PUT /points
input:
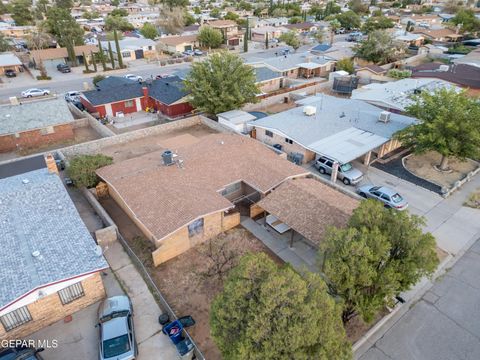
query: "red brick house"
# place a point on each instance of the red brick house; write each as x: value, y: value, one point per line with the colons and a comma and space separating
x: 116, y: 95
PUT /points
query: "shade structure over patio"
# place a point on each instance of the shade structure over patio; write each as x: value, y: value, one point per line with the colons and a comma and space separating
x: 309, y: 207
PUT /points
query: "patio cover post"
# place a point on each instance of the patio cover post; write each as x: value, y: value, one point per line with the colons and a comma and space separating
x: 333, y: 178
x: 264, y: 218
x: 366, y: 159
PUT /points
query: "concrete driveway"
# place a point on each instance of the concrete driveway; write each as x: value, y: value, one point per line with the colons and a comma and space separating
x: 444, y: 324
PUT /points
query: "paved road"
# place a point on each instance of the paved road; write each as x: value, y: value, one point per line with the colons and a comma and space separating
x: 444, y: 324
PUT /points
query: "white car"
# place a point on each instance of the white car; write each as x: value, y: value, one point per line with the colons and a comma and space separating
x: 35, y: 92
x: 72, y: 96
x: 133, y: 77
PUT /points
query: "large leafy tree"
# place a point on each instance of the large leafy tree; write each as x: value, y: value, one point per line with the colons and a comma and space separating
x: 381, y: 253
x: 221, y: 83
x: 378, y: 48
x: 149, y: 31
x: 82, y: 169
x: 349, y: 19
x: 291, y: 39
x: 467, y: 20
x: 64, y: 4
x: 449, y: 123
x: 117, y: 23
x: 210, y: 37
x: 269, y: 312
x: 21, y: 12
x: 377, y: 23
x: 4, y: 44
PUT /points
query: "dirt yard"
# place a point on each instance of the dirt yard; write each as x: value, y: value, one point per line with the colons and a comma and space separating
x: 423, y: 167
x: 190, y: 281
x: 153, y: 143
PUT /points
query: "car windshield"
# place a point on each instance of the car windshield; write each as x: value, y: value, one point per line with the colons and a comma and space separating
x: 346, y: 167
x: 114, y: 314
x: 396, y: 198
x: 116, y: 346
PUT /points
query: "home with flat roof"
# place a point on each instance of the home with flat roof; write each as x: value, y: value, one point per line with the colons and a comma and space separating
x: 35, y: 123
x: 51, y: 266
x: 338, y: 128
x: 185, y: 195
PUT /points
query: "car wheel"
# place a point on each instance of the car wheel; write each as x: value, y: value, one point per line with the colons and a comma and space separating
x: 362, y: 194
x: 29, y: 96
x: 321, y: 170
x: 45, y: 93
x: 346, y: 181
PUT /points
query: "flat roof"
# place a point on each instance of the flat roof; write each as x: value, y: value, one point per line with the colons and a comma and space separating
x: 37, y: 215
x: 309, y: 207
x: 293, y: 60
x: 9, y: 59
x: 166, y: 198
x: 237, y: 116
x: 31, y: 115
x: 334, y: 116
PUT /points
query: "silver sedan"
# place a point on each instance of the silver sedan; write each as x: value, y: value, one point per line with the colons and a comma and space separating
x: 390, y: 198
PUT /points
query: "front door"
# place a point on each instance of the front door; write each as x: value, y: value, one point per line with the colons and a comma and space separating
x: 139, y: 54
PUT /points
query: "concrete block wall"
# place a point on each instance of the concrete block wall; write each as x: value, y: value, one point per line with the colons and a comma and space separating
x: 286, y: 147
x: 50, y: 309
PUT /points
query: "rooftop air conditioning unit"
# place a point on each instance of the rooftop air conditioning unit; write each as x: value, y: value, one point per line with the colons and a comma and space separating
x: 384, y: 116
x: 309, y: 110
x: 443, y: 68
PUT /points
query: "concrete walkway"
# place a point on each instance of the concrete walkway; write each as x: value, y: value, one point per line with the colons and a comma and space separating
x: 301, y: 256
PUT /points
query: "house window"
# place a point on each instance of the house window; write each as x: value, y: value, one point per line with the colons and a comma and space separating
x: 15, y: 318
x: 195, y: 228
x: 268, y: 133
x: 292, y: 71
x: 47, y: 131
x: 71, y: 293
x: 287, y: 140
x: 231, y: 188
x: 126, y: 54
x: 129, y: 103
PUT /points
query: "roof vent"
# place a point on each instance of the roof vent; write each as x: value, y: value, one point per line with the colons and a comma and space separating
x: 167, y: 157
x: 443, y: 68
x: 309, y: 110
x: 36, y: 254
x: 98, y: 250
x: 25, y: 181
x: 384, y: 116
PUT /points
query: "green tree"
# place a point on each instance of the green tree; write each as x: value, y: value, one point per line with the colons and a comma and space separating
x: 115, y: 2
x: 117, y: 23
x: 188, y: 18
x: 97, y: 78
x: 266, y: 40
x: 295, y: 20
x: 119, y: 12
x: 381, y: 253
x: 117, y: 48
x: 376, y: 23
x: 349, y: 20
x: 175, y: 3
x: 291, y: 39
x: 110, y: 53
x: 378, y: 48
x: 149, y: 31
x: 82, y: 169
x: 245, y: 42
x: 467, y: 21
x: 231, y: 16
x: 270, y: 312
x: 345, y: 64
x: 64, y: 4
x: 4, y: 44
x: 449, y: 123
x: 63, y: 27
x: 94, y: 61
x: 215, y: 12
x: 101, y: 54
x: 358, y: 7
x: 334, y: 26
x: 41, y: 9
x: 221, y: 83
x: 210, y: 37
x: 21, y: 12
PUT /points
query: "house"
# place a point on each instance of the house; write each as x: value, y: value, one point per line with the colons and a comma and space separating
x: 302, y: 28
x: 268, y: 80
x: 298, y: 65
x: 190, y: 30
x: 237, y: 120
x: 337, y: 51
x: 439, y: 35
x: 115, y: 95
x: 35, y: 123
x: 177, y: 44
x: 51, y: 267
x: 371, y: 73
x: 409, y: 39
x: 229, y: 30
x: 210, y: 182
x: 260, y: 33
x: 17, y: 32
x: 341, y: 129
x: 472, y: 59
x: 463, y: 75
x: 132, y: 48
x: 395, y: 96
x: 53, y: 56
x: 308, y: 208
x: 9, y: 61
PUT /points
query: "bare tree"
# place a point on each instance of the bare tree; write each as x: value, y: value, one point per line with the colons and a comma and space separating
x: 172, y: 20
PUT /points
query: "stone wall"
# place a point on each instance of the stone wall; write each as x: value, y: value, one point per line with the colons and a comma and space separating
x: 50, y: 309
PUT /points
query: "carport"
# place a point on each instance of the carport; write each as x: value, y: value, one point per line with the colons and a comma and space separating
x: 304, y: 208
x: 348, y: 145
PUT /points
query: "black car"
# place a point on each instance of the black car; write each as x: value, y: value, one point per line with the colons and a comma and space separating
x: 10, y: 73
x: 63, y: 68
x: 21, y: 353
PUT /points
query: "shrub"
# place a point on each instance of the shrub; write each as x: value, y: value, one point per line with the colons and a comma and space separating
x: 82, y: 169
x: 399, y: 74
x: 43, y: 77
x: 97, y: 78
